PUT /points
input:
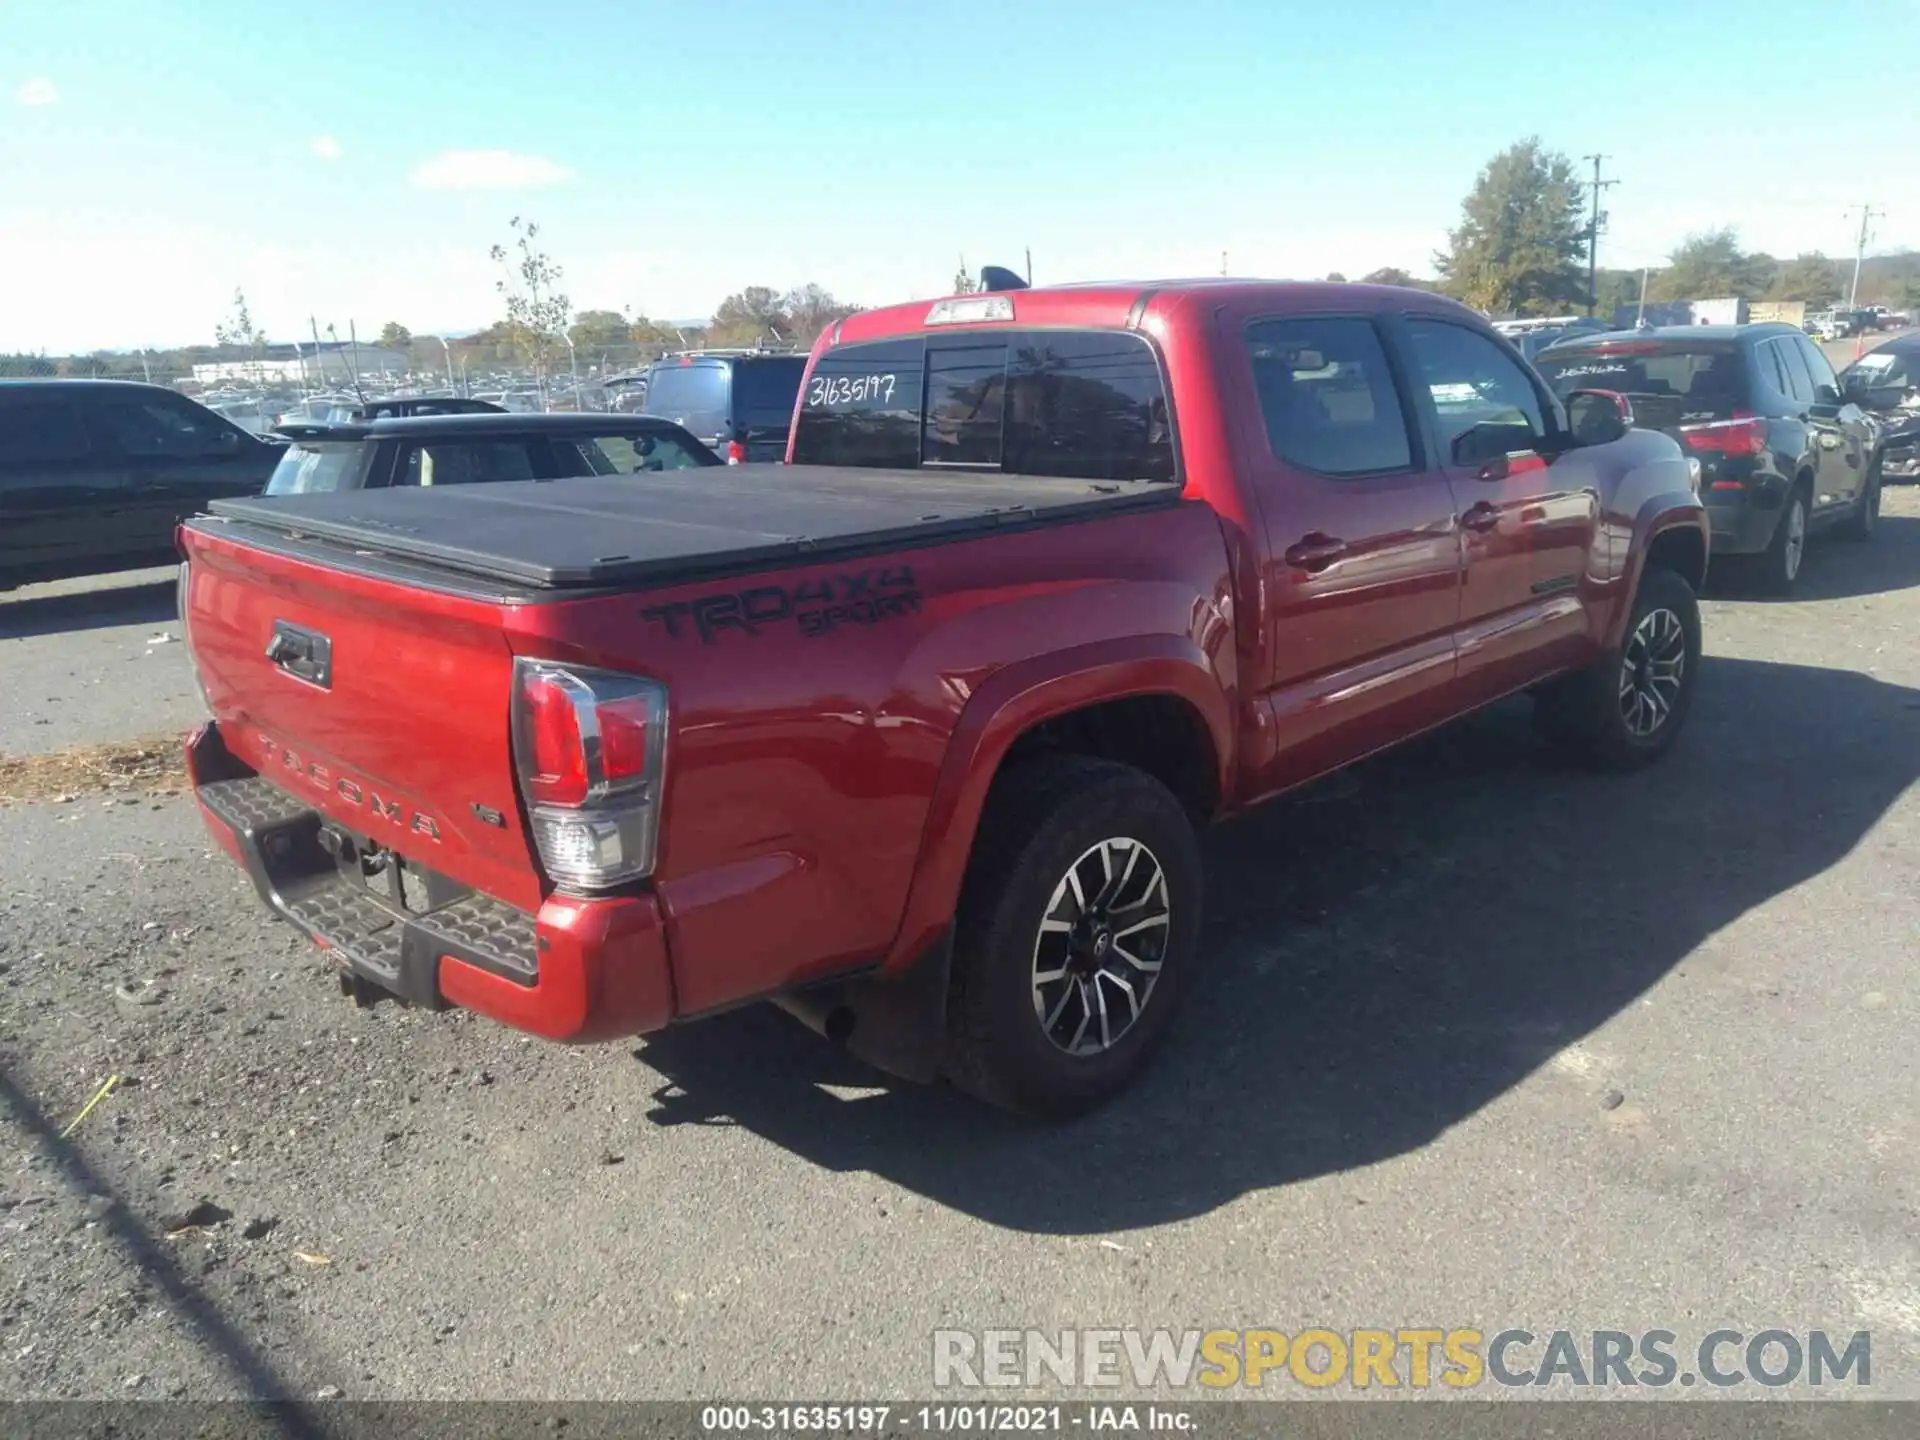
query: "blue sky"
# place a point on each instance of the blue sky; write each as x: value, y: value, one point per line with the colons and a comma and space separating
x: 356, y: 162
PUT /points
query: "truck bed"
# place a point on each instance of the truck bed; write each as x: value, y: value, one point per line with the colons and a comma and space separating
x: 611, y: 530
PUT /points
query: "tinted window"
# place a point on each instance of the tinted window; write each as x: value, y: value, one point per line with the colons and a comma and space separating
x: 38, y: 429
x: 306, y: 468
x: 966, y: 398
x: 1799, y: 378
x: 1670, y: 384
x: 764, y: 390
x: 1817, y: 366
x: 862, y: 406
x: 471, y: 463
x: 1773, y: 369
x: 1327, y: 396
x: 691, y: 395
x: 1885, y: 367
x: 1089, y: 404
x: 628, y: 454
x: 154, y: 427
x: 1473, y: 383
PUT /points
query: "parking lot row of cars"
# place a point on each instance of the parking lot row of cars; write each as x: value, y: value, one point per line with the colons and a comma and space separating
x: 96, y: 476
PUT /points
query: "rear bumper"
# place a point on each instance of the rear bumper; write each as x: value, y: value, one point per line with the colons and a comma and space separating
x: 578, y: 970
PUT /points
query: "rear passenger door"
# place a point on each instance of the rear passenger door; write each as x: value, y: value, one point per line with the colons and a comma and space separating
x: 176, y: 456
x: 57, y: 500
x: 1529, y: 507
x: 1360, y: 579
x: 1838, y: 429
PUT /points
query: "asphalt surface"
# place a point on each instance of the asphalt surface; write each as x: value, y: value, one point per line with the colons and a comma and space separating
x: 1485, y: 1042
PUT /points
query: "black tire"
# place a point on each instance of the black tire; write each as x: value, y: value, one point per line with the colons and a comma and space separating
x: 1594, y: 718
x: 1865, y: 518
x: 1776, y: 570
x: 1042, y: 820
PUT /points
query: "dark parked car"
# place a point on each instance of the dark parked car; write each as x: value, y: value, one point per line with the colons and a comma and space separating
x: 469, y: 449
x: 725, y: 398
x: 1782, y: 452
x: 1886, y: 382
x: 399, y: 407
x: 95, y: 475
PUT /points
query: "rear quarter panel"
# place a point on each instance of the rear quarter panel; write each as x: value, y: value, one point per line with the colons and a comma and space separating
x: 813, y: 772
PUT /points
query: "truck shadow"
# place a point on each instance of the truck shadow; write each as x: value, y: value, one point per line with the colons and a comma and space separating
x: 146, y: 604
x: 1386, y: 955
x: 1838, y: 570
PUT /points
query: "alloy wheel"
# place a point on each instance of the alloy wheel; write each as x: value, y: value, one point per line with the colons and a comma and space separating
x: 1098, y: 952
x: 1653, y: 670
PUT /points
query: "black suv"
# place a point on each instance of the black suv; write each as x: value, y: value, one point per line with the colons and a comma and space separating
x: 473, y: 449
x: 1886, y: 381
x: 95, y: 475
x: 1782, y: 452
x: 745, y: 398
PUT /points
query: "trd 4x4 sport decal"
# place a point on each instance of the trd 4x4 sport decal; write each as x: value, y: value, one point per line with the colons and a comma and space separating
x: 864, y: 597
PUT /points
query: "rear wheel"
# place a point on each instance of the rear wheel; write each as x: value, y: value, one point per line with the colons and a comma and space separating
x: 1778, y: 566
x: 1865, y: 518
x: 1627, y: 711
x: 1077, y: 927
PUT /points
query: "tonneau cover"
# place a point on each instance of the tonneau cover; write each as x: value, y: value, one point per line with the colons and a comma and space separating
x: 656, y: 527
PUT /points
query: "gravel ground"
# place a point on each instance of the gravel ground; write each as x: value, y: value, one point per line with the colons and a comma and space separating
x: 1485, y: 1043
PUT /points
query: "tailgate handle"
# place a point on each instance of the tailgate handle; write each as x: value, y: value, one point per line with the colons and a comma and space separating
x: 304, y: 654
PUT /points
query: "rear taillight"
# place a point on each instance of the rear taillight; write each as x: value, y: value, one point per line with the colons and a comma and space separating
x: 590, y: 747
x: 1744, y: 434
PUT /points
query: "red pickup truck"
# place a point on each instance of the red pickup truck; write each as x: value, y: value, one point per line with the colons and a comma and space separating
x: 915, y: 734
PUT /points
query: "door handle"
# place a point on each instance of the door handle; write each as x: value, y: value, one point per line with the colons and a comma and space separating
x: 1482, y: 517
x: 1315, y: 552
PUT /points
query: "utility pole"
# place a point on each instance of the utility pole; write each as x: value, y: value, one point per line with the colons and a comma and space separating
x: 1593, y: 232
x: 1867, y: 216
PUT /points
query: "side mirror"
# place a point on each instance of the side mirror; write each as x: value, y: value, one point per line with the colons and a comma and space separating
x: 1826, y: 395
x: 1598, y: 417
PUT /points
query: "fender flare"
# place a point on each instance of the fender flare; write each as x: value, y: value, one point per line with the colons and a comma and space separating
x: 1010, y: 703
x: 1658, y: 515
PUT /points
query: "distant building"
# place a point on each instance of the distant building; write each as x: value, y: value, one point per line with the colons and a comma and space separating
x: 329, y: 363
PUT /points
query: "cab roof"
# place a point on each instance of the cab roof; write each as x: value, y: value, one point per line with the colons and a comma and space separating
x: 1124, y: 305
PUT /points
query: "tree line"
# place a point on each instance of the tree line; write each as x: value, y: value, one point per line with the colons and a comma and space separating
x: 1525, y: 233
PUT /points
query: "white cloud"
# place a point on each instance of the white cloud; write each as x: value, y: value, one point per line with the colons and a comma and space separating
x: 488, y: 170
x: 37, y: 91
x: 326, y: 147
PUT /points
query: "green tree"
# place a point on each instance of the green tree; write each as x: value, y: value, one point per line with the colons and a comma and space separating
x: 1614, y: 288
x: 537, y: 309
x: 1711, y: 266
x: 754, y: 316
x: 810, y: 310
x: 395, y: 336
x: 1811, y: 277
x: 1521, y: 236
x: 599, y: 329
x: 1336, y: 278
x: 1387, y: 275
x: 237, y: 331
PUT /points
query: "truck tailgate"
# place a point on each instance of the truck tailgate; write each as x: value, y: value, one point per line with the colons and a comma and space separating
x: 381, y: 705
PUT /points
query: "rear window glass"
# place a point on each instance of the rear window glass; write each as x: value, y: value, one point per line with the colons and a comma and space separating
x: 764, y: 390
x: 691, y: 395
x: 1086, y: 404
x: 1694, y: 382
x: 307, y: 468
x: 34, y: 431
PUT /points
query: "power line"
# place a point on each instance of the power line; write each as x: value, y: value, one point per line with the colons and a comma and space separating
x: 1593, y: 232
x: 1867, y: 216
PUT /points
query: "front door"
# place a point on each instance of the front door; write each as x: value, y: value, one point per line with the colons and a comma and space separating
x: 1529, y: 508
x: 1362, y: 566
